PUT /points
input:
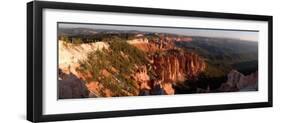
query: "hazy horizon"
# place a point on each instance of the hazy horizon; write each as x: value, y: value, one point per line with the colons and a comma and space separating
x: 250, y: 35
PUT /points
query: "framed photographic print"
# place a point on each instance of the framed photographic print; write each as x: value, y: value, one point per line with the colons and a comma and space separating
x: 95, y: 61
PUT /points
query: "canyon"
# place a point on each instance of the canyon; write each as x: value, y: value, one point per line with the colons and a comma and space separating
x: 164, y: 66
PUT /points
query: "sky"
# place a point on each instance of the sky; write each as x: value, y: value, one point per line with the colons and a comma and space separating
x: 249, y: 35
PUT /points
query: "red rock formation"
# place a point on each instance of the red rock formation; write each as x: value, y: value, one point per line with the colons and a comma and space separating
x: 170, y: 67
x: 170, y: 64
x: 152, y: 46
x: 94, y: 88
x: 142, y: 78
x: 146, y: 47
x: 177, y: 66
x: 168, y: 88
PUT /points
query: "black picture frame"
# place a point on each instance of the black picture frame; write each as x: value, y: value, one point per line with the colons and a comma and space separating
x: 35, y: 69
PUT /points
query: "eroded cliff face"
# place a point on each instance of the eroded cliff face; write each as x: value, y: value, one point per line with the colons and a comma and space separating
x: 169, y: 70
x: 170, y: 64
x: 177, y: 66
x: 167, y: 65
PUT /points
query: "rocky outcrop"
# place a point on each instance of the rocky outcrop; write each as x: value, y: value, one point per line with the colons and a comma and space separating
x: 71, y: 54
x: 142, y: 78
x: 70, y: 86
x: 236, y: 81
x: 97, y: 90
x: 151, y: 46
x: 168, y: 88
x: 145, y: 46
x: 72, y: 83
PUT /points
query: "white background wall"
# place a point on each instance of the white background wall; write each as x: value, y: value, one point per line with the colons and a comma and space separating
x: 13, y: 61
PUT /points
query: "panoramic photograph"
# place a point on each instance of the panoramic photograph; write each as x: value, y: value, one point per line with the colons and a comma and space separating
x: 102, y: 60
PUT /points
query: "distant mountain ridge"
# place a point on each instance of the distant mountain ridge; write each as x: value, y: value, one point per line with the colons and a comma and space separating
x: 88, y: 31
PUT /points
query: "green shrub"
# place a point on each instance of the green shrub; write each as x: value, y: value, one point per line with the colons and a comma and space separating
x: 120, y: 56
